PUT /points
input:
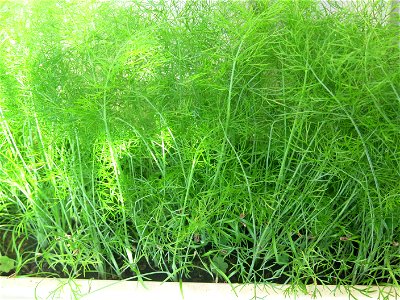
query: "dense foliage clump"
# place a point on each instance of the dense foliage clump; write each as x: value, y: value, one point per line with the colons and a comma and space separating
x: 255, y: 141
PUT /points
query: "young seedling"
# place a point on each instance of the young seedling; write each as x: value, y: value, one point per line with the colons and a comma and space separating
x: 6, y: 264
x: 219, y: 267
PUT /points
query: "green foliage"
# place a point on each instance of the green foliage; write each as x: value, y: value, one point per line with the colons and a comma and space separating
x: 219, y: 264
x: 260, y: 133
x: 6, y: 264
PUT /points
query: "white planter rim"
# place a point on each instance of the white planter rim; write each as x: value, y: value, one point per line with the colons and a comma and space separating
x: 50, y: 288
